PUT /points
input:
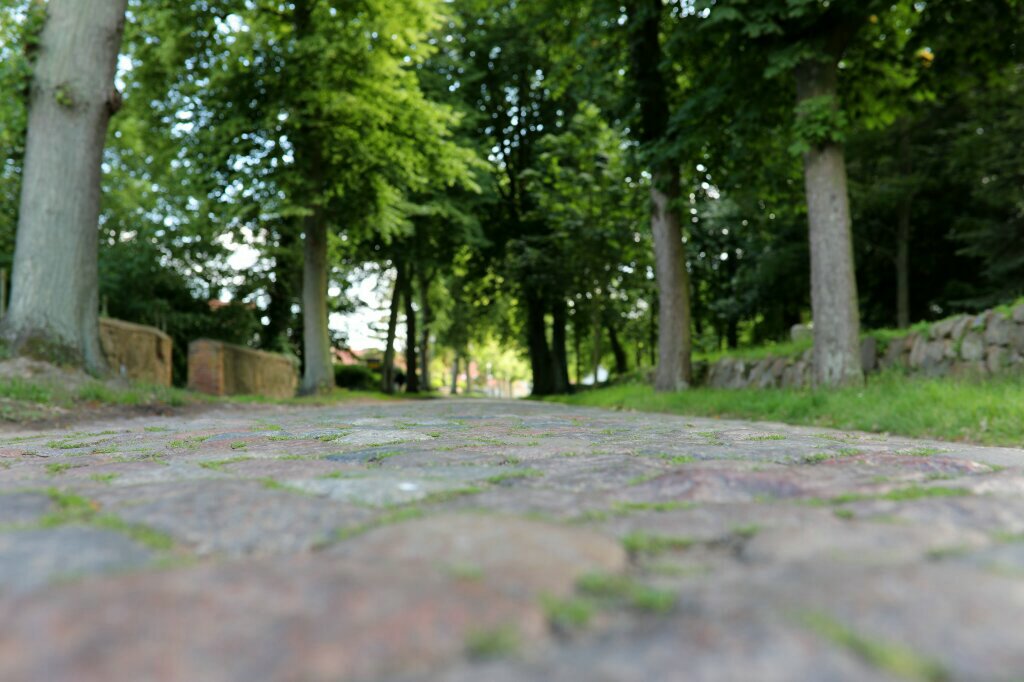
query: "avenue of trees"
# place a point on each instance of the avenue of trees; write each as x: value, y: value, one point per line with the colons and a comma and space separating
x: 597, y: 183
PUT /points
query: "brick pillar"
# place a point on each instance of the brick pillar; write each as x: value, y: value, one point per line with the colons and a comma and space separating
x: 206, y: 366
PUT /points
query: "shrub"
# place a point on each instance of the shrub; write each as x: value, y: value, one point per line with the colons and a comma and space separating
x: 356, y: 377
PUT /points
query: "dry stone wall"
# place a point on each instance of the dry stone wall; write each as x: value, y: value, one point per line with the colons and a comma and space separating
x: 974, y: 346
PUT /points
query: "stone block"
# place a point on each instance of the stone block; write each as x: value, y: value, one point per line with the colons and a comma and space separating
x: 997, y: 331
x: 801, y: 332
x: 996, y: 359
x: 972, y: 348
x: 136, y: 352
x: 968, y: 369
x: 1018, y: 314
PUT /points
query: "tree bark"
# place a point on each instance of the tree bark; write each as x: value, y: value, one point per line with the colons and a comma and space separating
x: 559, y: 356
x: 412, y: 377
x: 54, y: 307
x: 537, y: 346
x: 388, y: 370
x: 317, y: 376
x: 674, y: 343
x: 833, y: 282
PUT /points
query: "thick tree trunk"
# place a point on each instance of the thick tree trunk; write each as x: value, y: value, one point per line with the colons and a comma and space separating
x: 317, y: 376
x: 54, y: 307
x: 674, y: 343
x: 833, y: 282
x: 388, y: 371
x: 559, y: 355
x: 537, y: 346
x: 412, y: 376
x: 621, y: 361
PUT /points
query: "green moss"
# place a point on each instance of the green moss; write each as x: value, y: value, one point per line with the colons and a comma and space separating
x: 103, y: 478
x: 623, y: 590
x: 568, y: 615
x: 492, y: 643
x: 514, y: 475
x: 626, y: 507
x: 639, y: 543
x: 218, y: 465
x: 56, y: 468
x: 888, y: 656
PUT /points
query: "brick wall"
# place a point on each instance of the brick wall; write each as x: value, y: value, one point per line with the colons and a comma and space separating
x: 136, y: 351
x: 220, y: 368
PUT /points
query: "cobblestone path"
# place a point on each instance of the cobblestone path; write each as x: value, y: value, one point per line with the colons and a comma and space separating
x: 489, y: 540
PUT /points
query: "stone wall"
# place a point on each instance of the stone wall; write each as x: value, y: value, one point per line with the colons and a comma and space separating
x: 988, y: 344
x: 220, y: 368
x: 136, y: 352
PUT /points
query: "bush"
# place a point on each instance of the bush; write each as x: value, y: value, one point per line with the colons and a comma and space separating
x: 356, y: 377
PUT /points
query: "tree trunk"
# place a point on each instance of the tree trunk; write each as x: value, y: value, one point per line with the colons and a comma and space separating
x: 455, y: 375
x: 537, y: 346
x: 674, y: 343
x: 673, y: 370
x: 559, y: 356
x: 425, y: 334
x: 388, y: 371
x: 903, y: 266
x: 317, y: 376
x: 903, y: 231
x: 54, y: 306
x: 621, y: 362
x: 577, y: 347
x: 833, y: 282
x: 412, y: 377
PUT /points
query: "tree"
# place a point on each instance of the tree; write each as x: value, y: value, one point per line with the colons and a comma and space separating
x: 308, y: 118
x: 649, y: 84
x: 55, y: 293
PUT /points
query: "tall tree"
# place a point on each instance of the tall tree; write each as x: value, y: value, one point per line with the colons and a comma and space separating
x: 55, y: 291
x: 649, y: 84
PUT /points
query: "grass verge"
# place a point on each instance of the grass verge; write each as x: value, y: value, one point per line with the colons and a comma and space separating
x: 988, y: 412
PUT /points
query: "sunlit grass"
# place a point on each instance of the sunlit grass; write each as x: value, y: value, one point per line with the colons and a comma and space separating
x: 989, y: 412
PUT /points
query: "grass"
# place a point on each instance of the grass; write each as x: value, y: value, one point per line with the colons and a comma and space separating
x: 71, y: 508
x: 513, y: 475
x: 218, y: 465
x: 886, y: 656
x: 492, y: 643
x: 568, y: 615
x: 910, y: 493
x: 620, y: 589
x: 639, y: 543
x: 943, y: 408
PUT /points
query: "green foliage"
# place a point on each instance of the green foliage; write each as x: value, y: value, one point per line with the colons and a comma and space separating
x: 356, y: 378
